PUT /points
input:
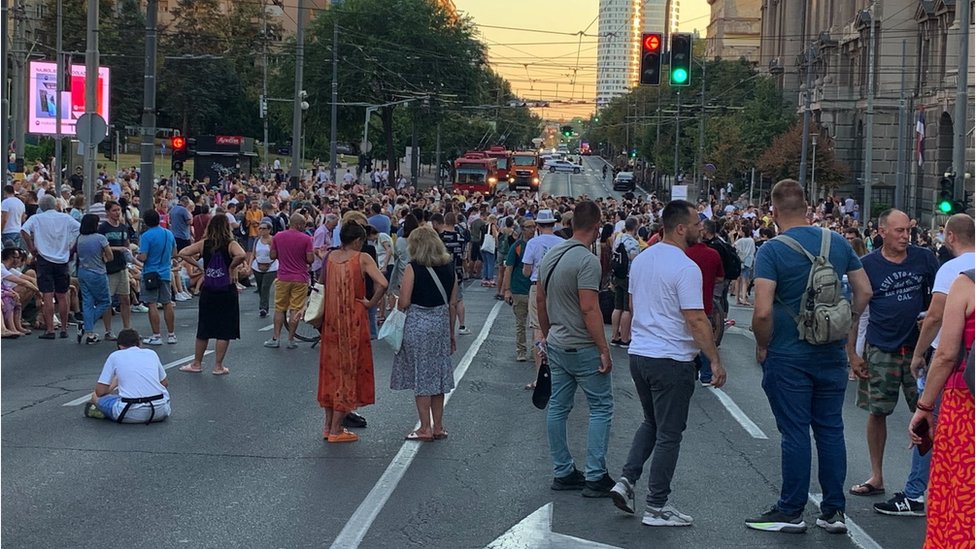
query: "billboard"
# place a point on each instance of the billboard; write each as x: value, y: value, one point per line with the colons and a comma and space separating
x: 42, y: 98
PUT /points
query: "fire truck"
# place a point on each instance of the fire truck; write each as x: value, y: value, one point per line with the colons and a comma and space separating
x: 504, y: 158
x: 524, y: 173
x: 476, y: 172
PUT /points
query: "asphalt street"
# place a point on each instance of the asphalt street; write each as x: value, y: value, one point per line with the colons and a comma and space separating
x: 241, y: 463
x: 588, y: 182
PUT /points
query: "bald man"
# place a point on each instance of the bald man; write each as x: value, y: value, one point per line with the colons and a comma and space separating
x: 902, y: 276
x: 959, y: 239
x: 294, y: 251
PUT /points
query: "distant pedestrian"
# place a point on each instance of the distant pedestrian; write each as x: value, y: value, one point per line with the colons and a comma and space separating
x: 429, y: 298
x: 669, y: 329
x: 517, y: 288
x: 623, y: 251
x: 157, y: 250
x: 535, y: 250
x: 118, y: 234
x: 265, y: 269
x: 293, y: 251
x: 219, y: 311
x: 571, y: 324
x: 49, y: 236
x: 93, y: 253
x: 805, y: 383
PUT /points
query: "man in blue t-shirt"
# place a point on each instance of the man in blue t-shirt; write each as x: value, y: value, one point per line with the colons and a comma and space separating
x: 805, y: 383
x: 157, y: 248
x: 180, y: 221
x: 901, y: 281
x: 378, y: 219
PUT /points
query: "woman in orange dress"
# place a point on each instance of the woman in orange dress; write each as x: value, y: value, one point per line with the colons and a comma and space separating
x: 950, y: 505
x: 346, y: 357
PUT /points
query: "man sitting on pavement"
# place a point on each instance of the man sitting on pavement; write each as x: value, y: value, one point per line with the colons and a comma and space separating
x: 132, y: 387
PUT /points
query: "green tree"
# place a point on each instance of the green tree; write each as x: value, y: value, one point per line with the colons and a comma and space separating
x: 781, y: 160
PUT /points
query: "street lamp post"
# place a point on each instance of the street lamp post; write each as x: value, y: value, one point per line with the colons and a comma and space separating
x: 813, y: 172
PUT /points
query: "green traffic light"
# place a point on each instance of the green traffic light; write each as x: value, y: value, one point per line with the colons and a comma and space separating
x: 945, y: 207
x: 679, y: 76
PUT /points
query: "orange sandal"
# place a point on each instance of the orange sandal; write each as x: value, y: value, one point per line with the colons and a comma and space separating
x: 344, y: 436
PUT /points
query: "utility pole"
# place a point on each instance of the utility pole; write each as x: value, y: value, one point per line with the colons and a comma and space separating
x: 18, y: 83
x: 334, y: 110
x: 264, y: 82
x: 59, y: 88
x: 869, y: 123
x: 805, y: 138
x: 437, y: 156
x: 902, y: 113
x: 959, y: 118
x: 296, y: 117
x: 4, y: 90
x: 147, y: 144
x: 677, y: 135
x: 700, y: 164
x: 91, y: 98
x: 414, y: 158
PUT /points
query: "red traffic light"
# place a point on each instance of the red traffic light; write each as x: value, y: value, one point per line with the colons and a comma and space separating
x: 177, y: 143
x: 651, y: 42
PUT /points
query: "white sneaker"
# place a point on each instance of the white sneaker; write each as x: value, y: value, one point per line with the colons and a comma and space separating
x: 622, y: 495
x: 180, y: 296
x: 463, y: 331
x: 154, y: 340
x: 140, y: 308
x: 171, y: 339
x: 665, y: 516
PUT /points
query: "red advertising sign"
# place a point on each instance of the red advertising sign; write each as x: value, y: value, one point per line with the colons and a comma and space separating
x: 230, y: 139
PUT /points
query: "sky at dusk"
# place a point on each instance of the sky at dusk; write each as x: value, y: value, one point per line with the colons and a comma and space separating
x: 558, y: 63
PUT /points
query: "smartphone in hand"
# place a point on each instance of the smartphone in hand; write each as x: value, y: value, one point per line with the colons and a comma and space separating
x: 922, y: 430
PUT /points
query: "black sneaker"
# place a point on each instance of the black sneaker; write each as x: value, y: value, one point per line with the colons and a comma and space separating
x: 354, y: 421
x: 599, y: 488
x: 615, y: 343
x: 572, y: 481
x: 775, y: 520
x: 901, y: 506
x: 833, y: 523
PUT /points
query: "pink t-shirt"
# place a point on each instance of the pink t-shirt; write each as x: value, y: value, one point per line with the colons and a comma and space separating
x: 291, y: 247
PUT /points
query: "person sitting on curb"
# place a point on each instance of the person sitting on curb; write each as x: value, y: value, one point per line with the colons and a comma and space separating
x: 132, y: 387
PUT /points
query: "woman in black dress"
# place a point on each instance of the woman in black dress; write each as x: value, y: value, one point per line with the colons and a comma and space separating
x: 218, y: 255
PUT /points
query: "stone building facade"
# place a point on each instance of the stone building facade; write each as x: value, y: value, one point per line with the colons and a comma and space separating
x: 916, y: 41
x: 734, y: 30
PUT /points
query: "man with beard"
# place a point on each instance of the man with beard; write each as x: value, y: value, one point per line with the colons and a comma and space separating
x: 669, y: 329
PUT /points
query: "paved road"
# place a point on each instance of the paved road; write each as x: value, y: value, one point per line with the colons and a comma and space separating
x: 588, y: 182
x: 241, y: 462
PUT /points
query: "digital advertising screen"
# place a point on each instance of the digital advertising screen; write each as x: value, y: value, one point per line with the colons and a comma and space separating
x: 42, y: 98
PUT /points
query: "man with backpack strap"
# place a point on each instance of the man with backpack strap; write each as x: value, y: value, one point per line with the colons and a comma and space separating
x: 731, y: 266
x: 804, y: 371
x: 625, y: 249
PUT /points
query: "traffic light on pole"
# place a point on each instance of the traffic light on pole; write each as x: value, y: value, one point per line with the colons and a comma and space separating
x: 681, y: 59
x: 650, y: 64
x: 178, y: 145
x: 944, y: 204
x: 567, y: 131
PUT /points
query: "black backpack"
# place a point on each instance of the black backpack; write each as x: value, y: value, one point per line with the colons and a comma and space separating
x: 731, y: 263
x: 620, y: 261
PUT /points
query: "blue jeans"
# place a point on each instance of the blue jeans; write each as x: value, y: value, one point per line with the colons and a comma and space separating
x: 571, y: 368
x: 918, y: 476
x: 487, y: 266
x: 94, y: 296
x: 12, y: 240
x: 373, y: 330
x: 704, y: 367
x: 808, y: 392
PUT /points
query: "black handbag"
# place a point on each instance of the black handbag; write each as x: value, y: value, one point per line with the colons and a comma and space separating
x: 543, y: 386
x: 153, y: 280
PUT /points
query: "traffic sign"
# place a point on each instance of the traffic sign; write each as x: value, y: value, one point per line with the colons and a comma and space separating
x: 91, y: 129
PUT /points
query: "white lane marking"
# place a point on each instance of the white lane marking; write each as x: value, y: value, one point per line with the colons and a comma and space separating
x: 359, y: 523
x: 167, y: 366
x: 857, y: 534
x: 267, y: 328
x: 737, y: 413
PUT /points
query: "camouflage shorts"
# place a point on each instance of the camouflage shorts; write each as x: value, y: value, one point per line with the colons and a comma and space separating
x: 889, y: 372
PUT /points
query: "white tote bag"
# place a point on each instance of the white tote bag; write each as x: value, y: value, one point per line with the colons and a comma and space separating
x: 488, y: 244
x: 392, y: 329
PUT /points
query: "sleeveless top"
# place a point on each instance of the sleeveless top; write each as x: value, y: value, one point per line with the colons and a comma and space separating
x: 262, y: 254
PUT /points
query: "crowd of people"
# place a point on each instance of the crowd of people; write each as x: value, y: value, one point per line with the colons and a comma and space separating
x: 662, y: 275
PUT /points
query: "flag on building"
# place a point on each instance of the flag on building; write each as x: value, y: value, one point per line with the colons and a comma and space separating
x: 920, y: 137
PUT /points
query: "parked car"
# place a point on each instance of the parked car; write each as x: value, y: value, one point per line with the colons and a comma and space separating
x: 562, y: 166
x: 624, y: 181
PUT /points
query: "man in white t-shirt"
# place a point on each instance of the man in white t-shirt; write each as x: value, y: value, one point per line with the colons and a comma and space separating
x: 669, y: 329
x: 960, y: 237
x: 132, y: 387
x: 13, y: 211
x: 535, y: 251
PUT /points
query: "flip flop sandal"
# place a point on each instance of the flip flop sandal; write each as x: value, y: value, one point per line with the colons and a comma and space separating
x: 865, y: 489
x: 221, y: 372
x: 440, y: 436
x: 190, y: 369
x: 414, y: 436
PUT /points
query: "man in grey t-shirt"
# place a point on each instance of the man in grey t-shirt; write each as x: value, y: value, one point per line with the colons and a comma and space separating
x: 567, y: 296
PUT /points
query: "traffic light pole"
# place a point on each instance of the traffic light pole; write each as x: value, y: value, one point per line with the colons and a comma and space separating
x: 91, y: 98
x: 296, y: 119
x: 805, y: 136
x: 869, y: 125
x: 59, y: 87
x: 147, y: 145
x: 959, y: 118
x: 677, y: 138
